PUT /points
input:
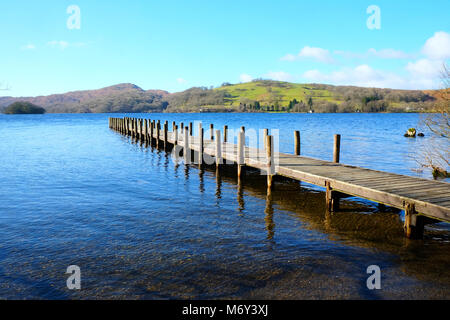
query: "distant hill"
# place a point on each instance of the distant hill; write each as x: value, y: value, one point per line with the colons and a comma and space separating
x: 255, y: 96
x: 119, y: 98
x: 279, y: 96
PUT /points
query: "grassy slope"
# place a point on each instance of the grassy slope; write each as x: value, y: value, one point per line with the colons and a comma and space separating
x: 260, y: 91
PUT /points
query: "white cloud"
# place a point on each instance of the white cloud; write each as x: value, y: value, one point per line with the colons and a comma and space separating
x: 388, y: 54
x: 438, y: 46
x: 418, y: 76
x: 61, y: 44
x: 382, y: 54
x: 181, y: 80
x: 279, y: 75
x: 29, y: 46
x: 245, y: 77
x: 318, y: 54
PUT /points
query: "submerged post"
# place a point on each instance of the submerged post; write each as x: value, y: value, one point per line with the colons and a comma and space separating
x: 337, y: 148
x: 297, y: 143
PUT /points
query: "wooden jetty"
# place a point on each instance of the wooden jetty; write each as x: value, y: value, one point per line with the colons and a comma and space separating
x: 424, y: 201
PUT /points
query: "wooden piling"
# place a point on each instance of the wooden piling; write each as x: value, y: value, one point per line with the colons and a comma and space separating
x: 186, y: 151
x: 225, y: 133
x: 211, y: 131
x: 269, y: 152
x: 331, y: 198
x: 414, y: 224
x: 158, y: 128
x: 190, y: 129
x: 201, y: 145
x: 241, y: 155
x: 218, y: 149
x: 165, y: 135
x: 297, y: 143
x: 175, y: 133
x: 337, y: 148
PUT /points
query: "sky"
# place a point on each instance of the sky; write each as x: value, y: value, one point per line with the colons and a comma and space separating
x: 57, y: 46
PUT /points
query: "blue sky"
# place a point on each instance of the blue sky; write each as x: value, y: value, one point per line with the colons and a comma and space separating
x: 174, y: 45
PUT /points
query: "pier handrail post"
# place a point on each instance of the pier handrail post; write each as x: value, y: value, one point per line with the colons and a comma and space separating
x: 211, y: 129
x: 241, y: 155
x: 297, y: 142
x: 175, y: 135
x: 200, y: 145
x: 225, y: 133
x: 146, y: 130
x: 269, y: 151
x: 190, y: 129
x: 265, y: 134
x: 173, y: 126
x: 158, y: 127
x: 186, y: 151
x: 218, y: 149
x: 337, y: 148
x: 165, y: 135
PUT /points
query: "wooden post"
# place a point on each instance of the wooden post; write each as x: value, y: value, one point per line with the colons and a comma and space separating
x: 243, y: 128
x: 201, y: 146
x: 182, y: 127
x: 173, y: 126
x: 331, y: 198
x: 218, y: 149
x: 337, y: 148
x: 265, y: 134
x: 211, y: 129
x: 146, y: 130
x: 151, y: 131
x: 165, y: 135
x: 158, y: 127
x: 414, y: 224
x: 225, y: 133
x: 269, y: 147
x: 187, y: 151
x: 241, y: 155
x: 297, y: 143
x: 190, y: 129
x: 175, y: 135
x: 141, y: 129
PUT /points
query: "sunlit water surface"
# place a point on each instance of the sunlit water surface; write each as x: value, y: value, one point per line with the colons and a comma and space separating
x: 141, y: 224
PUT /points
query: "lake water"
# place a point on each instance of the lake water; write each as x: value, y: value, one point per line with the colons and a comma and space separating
x: 140, y: 224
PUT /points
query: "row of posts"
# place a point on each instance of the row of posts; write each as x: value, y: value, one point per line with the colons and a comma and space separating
x: 146, y: 129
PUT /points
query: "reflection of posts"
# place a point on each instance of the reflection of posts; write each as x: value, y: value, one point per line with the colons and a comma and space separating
x: 240, y: 196
x: 270, y: 225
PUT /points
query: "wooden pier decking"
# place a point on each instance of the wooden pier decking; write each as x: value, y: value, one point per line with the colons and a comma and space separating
x: 424, y: 201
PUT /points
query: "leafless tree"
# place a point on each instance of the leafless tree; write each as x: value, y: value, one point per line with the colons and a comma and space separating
x: 436, y: 153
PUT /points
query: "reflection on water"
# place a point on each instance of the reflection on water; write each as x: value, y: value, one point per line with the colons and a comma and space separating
x: 142, y: 224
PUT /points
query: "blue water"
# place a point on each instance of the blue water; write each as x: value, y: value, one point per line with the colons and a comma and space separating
x: 141, y: 224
